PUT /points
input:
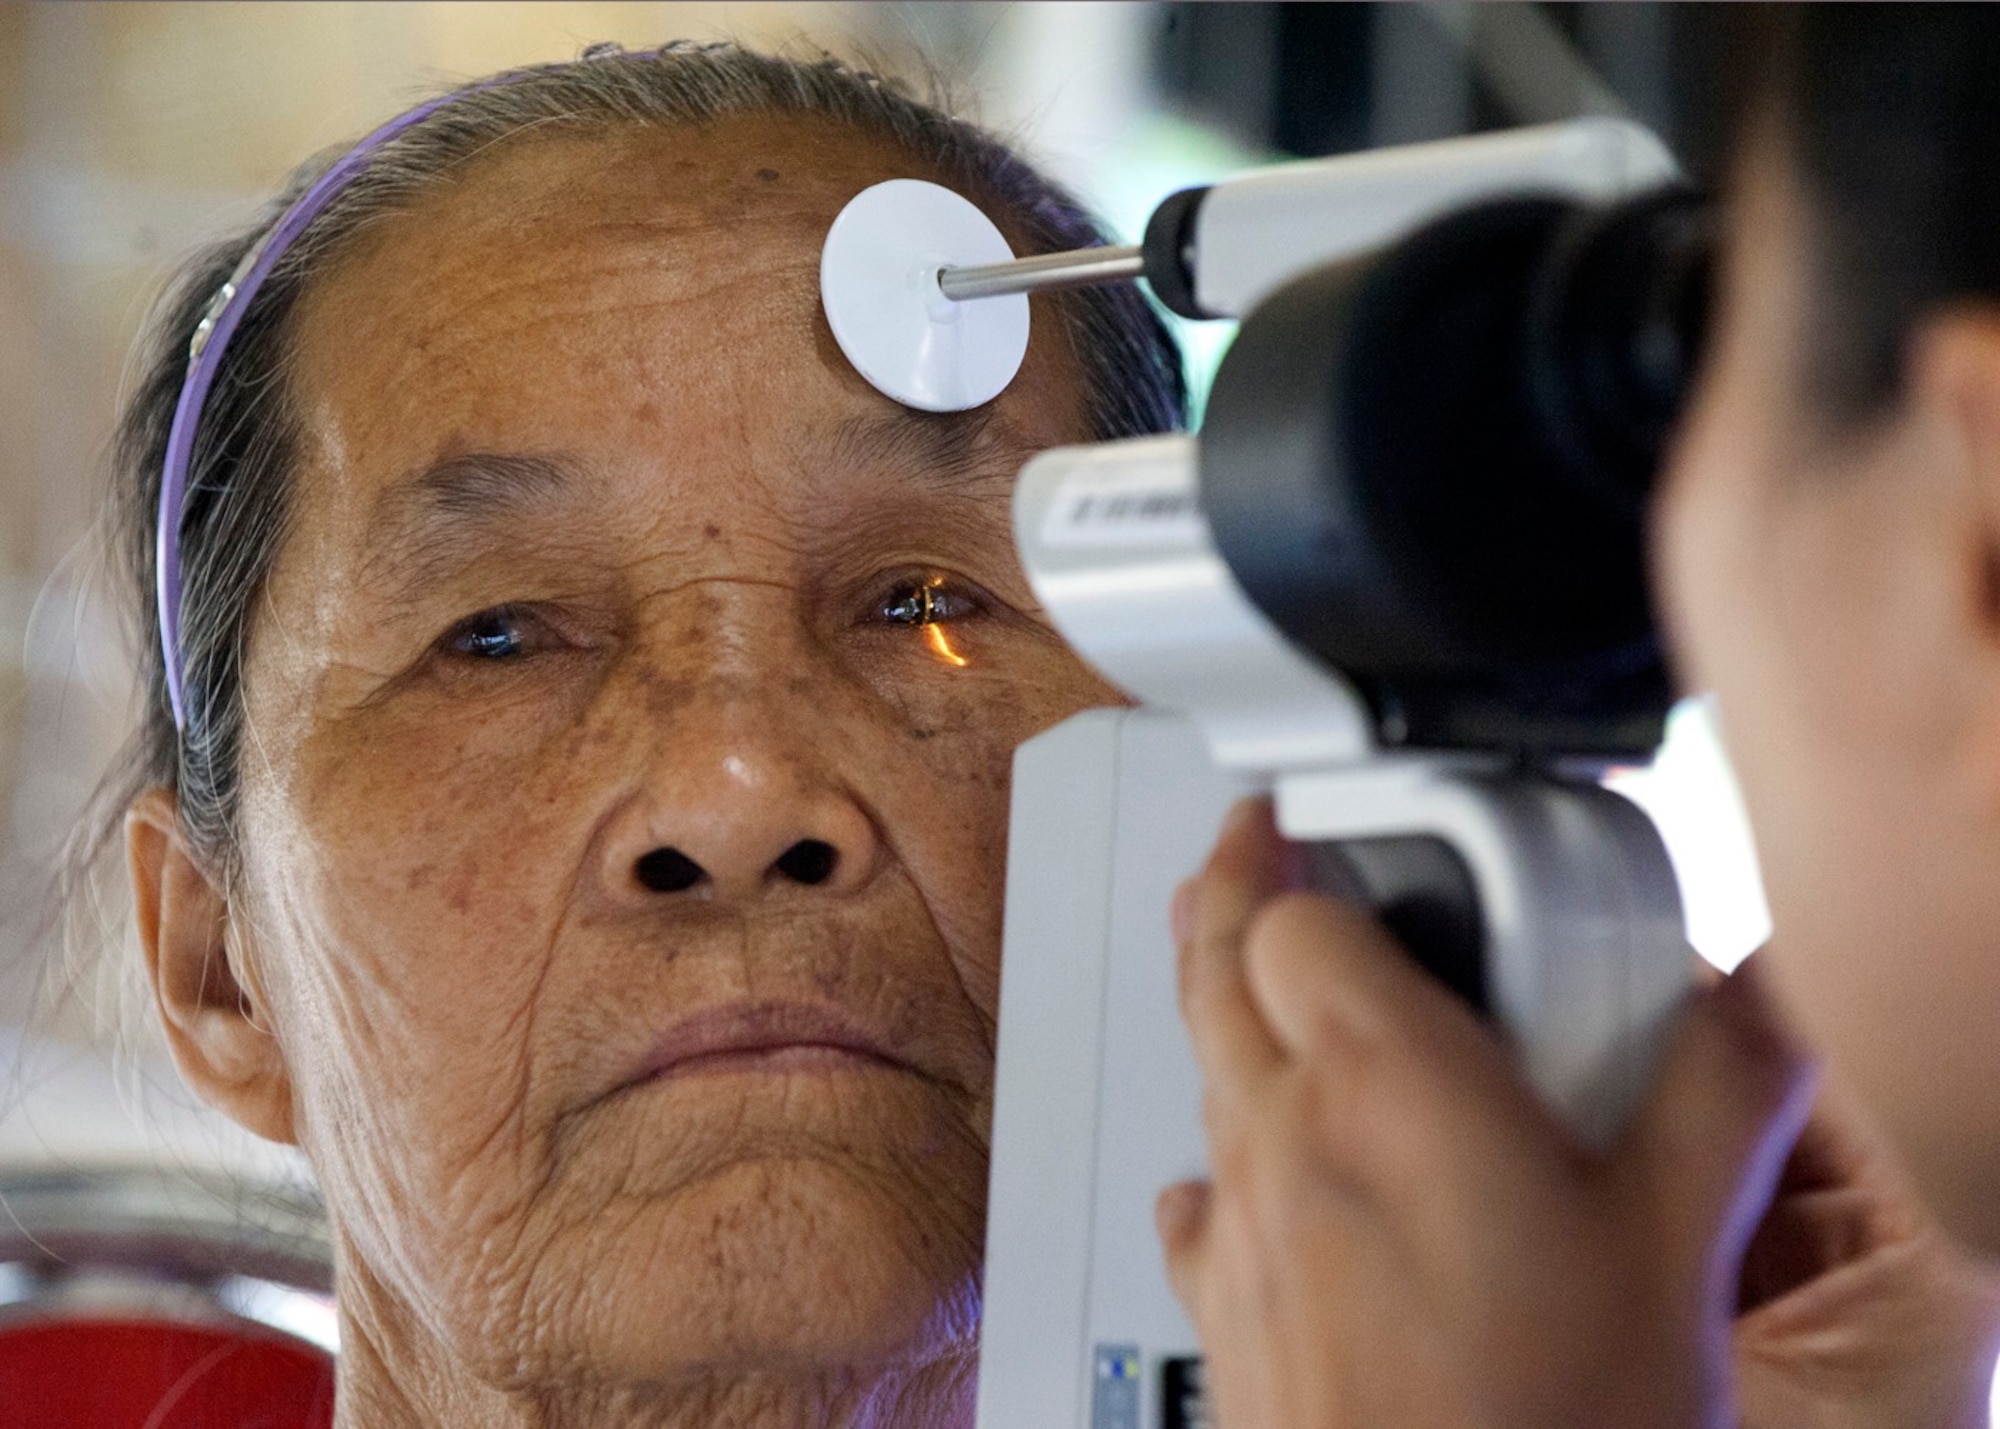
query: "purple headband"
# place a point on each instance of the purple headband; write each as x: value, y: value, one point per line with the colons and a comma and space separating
x: 211, y: 338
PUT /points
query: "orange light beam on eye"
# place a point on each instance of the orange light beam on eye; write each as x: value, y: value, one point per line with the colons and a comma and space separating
x: 935, y: 634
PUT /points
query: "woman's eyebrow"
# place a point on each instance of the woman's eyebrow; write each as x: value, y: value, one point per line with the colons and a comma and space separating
x: 950, y: 449
x: 425, y: 524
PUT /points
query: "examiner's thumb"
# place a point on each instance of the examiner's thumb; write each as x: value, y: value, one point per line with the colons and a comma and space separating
x: 1705, y: 1151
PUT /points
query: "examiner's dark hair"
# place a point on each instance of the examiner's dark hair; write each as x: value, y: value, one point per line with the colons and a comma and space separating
x: 240, y: 484
x: 1891, y: 116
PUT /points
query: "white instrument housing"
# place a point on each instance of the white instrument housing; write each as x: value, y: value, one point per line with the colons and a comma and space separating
x: 1259, y: 230
x: 1098, y: 1096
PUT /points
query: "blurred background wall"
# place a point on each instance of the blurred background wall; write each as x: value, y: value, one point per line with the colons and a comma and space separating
x: 129, y: 133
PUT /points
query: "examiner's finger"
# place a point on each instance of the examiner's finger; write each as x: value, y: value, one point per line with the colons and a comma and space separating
x: 1733, y: 1092
x: 1180, y: 1214
x: 1320, y: 970
x: 1422, y: 1088
x: 1245, y: 871
x: 1325, y: 975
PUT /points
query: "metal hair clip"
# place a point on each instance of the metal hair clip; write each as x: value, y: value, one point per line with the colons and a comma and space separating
x: 226, y: 294
x: 208, y: 316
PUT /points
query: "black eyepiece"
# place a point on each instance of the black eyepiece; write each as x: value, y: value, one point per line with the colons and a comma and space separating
x: 1615, y: 322
x: 1430, y: 466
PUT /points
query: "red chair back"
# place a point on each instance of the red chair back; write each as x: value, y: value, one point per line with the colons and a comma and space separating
x: 150, y: 1374
x: 142, y: 1298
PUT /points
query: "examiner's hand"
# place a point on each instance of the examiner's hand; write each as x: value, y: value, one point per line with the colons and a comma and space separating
x: 1856, y: 1309
x: 1397, y: 1233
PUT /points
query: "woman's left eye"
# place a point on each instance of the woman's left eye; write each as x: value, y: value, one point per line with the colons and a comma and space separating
x: 498, y: 634
x: 933, y: 600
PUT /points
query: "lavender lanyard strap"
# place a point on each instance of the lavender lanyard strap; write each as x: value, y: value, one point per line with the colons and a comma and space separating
x: 205, y: 349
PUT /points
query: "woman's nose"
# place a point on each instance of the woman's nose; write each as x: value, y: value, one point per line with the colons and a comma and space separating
x: 763, y: 819
x: 809, y: 862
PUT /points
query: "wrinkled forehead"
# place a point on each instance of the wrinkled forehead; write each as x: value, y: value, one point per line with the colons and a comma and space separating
x: 570, y: 227
x: 715, y: 191
x: 568, y: 285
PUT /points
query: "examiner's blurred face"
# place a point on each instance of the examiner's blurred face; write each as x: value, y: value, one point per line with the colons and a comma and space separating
x: 1832, y: 588
x: 631, y: 717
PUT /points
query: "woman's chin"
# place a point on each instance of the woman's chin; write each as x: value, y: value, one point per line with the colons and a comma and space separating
x: 781, y: 1265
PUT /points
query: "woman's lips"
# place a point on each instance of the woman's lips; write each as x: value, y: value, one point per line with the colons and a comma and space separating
x: 767, y: 1037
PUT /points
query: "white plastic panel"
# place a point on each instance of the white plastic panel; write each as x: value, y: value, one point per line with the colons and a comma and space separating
x: 1256, y: 232
x: 1038, y: 1218
x: 1114, y: 542
x: 1097, y: 1099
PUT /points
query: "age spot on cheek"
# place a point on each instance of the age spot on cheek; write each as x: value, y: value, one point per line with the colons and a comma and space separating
x: 663, y: 695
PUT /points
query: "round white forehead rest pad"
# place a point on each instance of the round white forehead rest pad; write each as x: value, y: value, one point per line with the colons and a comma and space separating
x: 878, y: 284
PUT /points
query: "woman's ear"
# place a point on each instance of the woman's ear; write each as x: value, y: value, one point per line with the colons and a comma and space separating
x: 219, y: 1033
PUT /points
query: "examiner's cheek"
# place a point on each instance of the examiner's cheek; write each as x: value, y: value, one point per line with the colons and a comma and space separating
x: 1683, y: 545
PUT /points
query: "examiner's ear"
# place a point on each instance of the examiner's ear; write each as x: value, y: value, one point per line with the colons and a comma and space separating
x: 216, y: 1029
x: 1954, y: 379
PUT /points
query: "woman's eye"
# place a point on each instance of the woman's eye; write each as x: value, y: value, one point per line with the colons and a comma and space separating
x: 930, y: 601
x: 498, y: 634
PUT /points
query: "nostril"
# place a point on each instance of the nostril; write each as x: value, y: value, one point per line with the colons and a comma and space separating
x: 668, y: 870
x: 808, y: 861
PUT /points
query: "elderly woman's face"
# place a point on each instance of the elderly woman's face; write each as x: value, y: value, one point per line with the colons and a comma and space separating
x: 631, y: 717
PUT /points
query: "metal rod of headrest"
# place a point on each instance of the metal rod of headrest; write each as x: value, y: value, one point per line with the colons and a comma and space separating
x: 1082, y: 268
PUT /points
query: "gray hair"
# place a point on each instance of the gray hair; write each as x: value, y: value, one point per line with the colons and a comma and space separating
x: 239, y: 483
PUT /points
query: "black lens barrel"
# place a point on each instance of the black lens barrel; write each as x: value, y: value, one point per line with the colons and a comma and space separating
x: 1430, y: 467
